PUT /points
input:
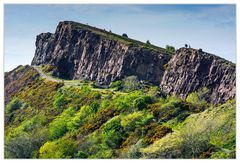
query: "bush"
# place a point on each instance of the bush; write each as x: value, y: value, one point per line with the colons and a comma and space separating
x: 13, y: 105
x: 199, y: 97
x: 116, y: 84
x: 58, y: 127
x: 25, y: 146
x: 134, y: 120
x: 155, y: 132
x: 124, y: 35
x: 170, y: 49
x: 131, y: 83
x: 142, y: 102
x: 80, y: 154
x: 59, y: 102
x: 62, y: 148
x: 112, y: 133
x: 85, y: 113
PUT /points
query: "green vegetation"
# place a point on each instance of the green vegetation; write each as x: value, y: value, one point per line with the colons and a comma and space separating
x: 170, y: 49
x: 13, y: 105
x: 123, y: 39
x: 129, y: 120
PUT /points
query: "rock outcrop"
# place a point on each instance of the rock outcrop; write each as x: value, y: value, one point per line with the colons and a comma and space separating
x: 78, y: 51
x: 191, y: 69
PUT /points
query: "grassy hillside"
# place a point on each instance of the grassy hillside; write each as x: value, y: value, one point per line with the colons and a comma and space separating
x: 46, y: 119
x: 116, y: 37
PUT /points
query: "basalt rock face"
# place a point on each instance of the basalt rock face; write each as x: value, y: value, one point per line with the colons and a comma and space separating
x: 190, y: 69
x: 78, y: 53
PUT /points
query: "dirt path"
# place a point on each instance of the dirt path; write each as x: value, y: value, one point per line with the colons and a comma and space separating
x: 72, y: 82
x: 43, y: 75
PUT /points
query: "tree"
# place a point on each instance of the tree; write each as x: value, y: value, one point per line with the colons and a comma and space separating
x: 124, y: 35
x: 186, y: 45
x: 148, y: 42
x: 131, y: 83
x: 170, y: 49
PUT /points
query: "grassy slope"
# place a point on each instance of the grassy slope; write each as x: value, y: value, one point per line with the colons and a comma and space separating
x: 116, y: 37
x: 77, y: 121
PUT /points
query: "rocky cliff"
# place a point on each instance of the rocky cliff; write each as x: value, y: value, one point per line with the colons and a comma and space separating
x: 80, y: 51
x: 191, y: 69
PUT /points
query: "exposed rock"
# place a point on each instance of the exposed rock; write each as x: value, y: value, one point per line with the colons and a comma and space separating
x: 79, y: 52
x: 190, y: 69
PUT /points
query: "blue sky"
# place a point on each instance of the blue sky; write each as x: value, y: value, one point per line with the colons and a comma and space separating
x: 210, y: 27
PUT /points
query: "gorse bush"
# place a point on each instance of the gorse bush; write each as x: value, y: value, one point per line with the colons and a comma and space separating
x: 63, y: 148
x: 59, y: 102
x: 132, y: 119
x: 58, y: 127
x: 13, y: 105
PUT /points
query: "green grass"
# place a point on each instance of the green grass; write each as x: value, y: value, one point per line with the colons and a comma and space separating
x: 71, y: 119
x: 118, y: 38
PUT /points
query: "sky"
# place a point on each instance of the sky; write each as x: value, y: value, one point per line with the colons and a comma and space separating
x: 210, y: 27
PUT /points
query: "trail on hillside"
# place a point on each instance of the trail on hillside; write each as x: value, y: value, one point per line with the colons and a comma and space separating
x: 72, y: 82
x: 43, y: 75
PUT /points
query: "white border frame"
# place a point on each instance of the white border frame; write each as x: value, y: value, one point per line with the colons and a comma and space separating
x: 112, y: 2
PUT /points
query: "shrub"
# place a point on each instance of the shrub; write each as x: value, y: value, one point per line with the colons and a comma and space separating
x: 142, y: 102
x: 62, y: 148
x: 199, y: 97
x: 170, y: 49
x: 155, y: 132
x: 124, y: 35
x: 131, y: 83
x: 80, y: 154
x: 58, y: 127
x: 59, y: 102
x: 13, y: 105
x: 112, y: 133
x: 25, y: 146
x: 86, y: 112
x: 134, y: 120
x: 116, y: 84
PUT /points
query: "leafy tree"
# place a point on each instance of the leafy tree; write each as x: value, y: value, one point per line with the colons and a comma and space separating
x: 131, y: 83
x: 124, y: 35
x: 170, y: 49
x: 13, y: 105
x: 116, y: 84
x: 62, y: 148
x: 25, y: 146
x: 58, y: 127
x: 148, y: 42
x: 199, y: 97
